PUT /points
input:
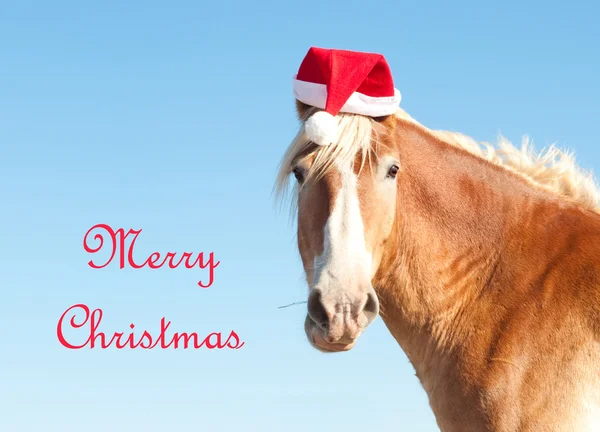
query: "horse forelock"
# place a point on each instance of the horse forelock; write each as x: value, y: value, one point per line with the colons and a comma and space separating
x: 356, y: 136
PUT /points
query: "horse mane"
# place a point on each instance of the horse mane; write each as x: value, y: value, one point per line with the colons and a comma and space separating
x: 554, y: 170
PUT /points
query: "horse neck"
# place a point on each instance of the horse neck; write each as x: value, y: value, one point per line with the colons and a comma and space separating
x: 454, y: 211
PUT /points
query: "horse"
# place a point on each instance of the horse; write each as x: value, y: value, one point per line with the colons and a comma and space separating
x: 482, y: 260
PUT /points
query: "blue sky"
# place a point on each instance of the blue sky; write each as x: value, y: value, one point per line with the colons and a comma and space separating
x: 172, y: 117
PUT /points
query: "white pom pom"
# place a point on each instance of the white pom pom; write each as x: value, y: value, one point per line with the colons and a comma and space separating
x: 321, y: 128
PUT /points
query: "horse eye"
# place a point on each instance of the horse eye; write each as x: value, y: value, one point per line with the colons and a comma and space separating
x: 298, y: 174
x: 393, y: 171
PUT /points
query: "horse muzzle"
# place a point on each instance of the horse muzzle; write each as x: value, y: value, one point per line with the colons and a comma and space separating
x: 335, y: 321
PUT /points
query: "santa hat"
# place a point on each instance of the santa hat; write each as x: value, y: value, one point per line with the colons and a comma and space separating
x: 340, y: 81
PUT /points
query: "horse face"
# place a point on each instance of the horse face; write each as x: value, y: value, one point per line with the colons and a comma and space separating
x: 344, y: 220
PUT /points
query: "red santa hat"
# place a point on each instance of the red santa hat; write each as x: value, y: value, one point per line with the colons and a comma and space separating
x: 343, y: 81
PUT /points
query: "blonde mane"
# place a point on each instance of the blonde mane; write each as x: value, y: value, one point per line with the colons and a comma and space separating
x: 554, y: 170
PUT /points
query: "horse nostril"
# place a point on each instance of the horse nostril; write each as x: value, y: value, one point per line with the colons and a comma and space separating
x: 371, y: 308
x: 316, y: 310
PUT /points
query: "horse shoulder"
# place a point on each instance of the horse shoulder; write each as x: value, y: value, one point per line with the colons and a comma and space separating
x: 579, y: 282
x: 547, y: 345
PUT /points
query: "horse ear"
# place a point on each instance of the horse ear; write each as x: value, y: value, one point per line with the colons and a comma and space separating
x: 388, y: 122
x: 302, y: 109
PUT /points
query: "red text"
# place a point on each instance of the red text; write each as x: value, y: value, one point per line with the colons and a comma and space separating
x: 116, y: 246
x: 90, y: 322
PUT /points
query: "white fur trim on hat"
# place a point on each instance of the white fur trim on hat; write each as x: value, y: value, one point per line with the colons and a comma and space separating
x: 316, y: 95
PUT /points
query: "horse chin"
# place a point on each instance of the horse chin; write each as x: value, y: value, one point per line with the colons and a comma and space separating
x: 319, y: 341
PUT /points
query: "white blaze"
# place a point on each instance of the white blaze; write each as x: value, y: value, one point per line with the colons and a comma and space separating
x: 345, y: 264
